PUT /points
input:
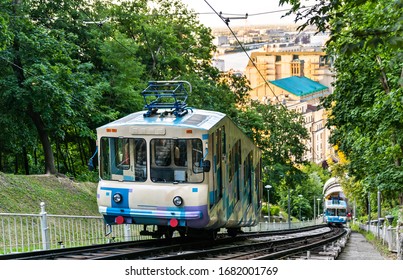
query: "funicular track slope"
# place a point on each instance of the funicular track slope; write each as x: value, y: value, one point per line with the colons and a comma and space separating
x: 258, y: 245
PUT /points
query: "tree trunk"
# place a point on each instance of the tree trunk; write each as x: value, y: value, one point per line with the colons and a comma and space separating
x: 35, y: 116
x: 70, y: 159
x: 16, y: 164
x: 25, y: 158
x: 44, y: 138
x: 63, y: 158
x: 35, y: 158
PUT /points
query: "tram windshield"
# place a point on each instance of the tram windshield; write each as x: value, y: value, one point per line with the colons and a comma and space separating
x: 336, y: 212
x: 123, y: 159
x: 341, y: 212
x: 176, y: 160
x: 331, y: 212
x: 170, y: 160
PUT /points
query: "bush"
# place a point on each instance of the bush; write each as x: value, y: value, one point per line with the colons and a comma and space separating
x: 274, y: 210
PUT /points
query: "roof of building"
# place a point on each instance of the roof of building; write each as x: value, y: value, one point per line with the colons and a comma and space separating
x: 299, y: 86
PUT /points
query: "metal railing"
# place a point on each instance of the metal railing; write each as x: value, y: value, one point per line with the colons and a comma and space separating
x: 389, y: 235
x: 43, y: 231
x: 266, y: 226
x: 31, y: 232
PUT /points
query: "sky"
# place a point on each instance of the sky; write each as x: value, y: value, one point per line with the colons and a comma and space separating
x: 266, y: 8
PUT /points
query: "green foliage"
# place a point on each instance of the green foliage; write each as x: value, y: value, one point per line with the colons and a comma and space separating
x: 64, y: 75
x: 274, y: 210
x: 280, y: 133
x: 366, y: 108
x: 73, y: 66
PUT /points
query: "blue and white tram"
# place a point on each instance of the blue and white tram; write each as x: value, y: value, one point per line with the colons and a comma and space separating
x: 335, y: 204
x: 173, y: 168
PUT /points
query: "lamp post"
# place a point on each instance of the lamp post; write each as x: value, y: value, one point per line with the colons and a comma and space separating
x: 289, y: 208
x: 379, y: 213
x: 268, y: 187
x: 300, y: 196
x: 314, y: 208
x: 369, y: 211
x: 318, y: 199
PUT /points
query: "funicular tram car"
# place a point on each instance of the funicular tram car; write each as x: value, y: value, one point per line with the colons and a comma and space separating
x: 171, y: 168
x: 335, y: 204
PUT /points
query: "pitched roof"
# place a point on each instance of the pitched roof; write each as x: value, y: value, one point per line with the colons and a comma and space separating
x: 299, y: 86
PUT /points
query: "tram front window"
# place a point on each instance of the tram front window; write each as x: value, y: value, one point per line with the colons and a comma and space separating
x: 341, y: 212
x: 123, y: 159
x: 331, y: 212
x: 172, y: 160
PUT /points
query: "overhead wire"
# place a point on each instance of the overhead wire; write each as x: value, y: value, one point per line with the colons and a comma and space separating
x: 226, y: 21
x: 249, y: 15
x: 220, y: 15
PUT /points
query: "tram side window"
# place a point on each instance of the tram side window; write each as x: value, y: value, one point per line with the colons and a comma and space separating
x: 105, y: 166
x: 230, y: 166
x: 115, y: 156
x: 197, y: 155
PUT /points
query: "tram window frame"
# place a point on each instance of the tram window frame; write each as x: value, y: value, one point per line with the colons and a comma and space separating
x: 182, y: 162
x: 122, y: 153
x: 341, y: 212
x: 197, y: 156
x: 114, y: 151
x: 331, y: 212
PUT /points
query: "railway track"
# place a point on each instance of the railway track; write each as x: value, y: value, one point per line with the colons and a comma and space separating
x: 263, y: 245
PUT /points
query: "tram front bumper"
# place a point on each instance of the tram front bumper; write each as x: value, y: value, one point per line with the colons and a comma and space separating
x: 188, y: 216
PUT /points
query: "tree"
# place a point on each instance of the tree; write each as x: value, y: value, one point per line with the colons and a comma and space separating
x: 365, y: 110
x: 280, y: 134
x: 5, y: 35
x: 45, y: 83
x: 73, y: 66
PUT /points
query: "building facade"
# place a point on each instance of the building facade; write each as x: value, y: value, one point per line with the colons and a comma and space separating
x: 298, y: 80
x: 277, y: 62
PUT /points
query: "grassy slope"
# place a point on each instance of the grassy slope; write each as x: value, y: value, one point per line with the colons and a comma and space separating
x: 23, y: 194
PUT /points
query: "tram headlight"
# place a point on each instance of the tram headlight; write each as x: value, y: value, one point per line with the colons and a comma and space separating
x: 178, y: 201
x: 117, y: 197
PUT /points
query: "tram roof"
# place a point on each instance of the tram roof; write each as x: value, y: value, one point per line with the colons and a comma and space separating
x: 332, y: 186
x: 195, y: 118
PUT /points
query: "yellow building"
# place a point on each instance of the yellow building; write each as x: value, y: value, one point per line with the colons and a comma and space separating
x: 275, y: 65
x: 298, y: 79
x: 302, y: 95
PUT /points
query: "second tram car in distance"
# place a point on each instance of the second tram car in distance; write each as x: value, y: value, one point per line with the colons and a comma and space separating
x: 335, y: 203
x: 175, y: 168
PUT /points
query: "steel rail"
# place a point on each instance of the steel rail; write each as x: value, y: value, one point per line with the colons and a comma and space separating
x: 277, y: 248
x: 151, y: 249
